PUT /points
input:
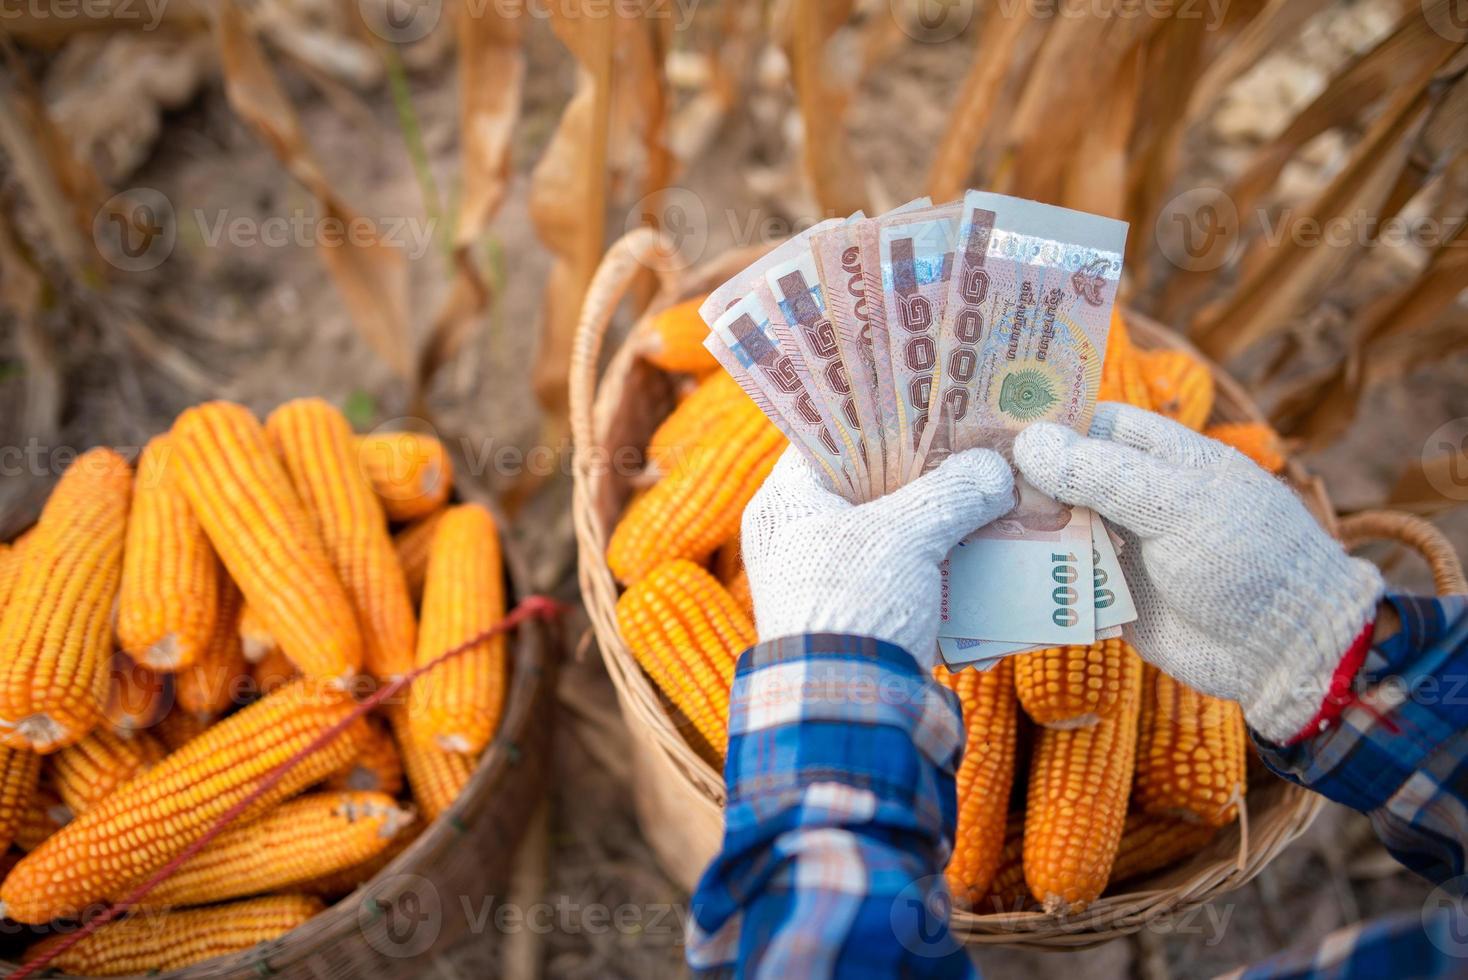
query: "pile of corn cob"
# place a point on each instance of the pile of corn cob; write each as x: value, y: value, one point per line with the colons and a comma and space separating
x: 1128, y: 771
x: 171, y: 632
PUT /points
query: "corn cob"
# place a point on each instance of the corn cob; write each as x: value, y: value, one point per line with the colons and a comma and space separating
x: 11, y: 559
x: 377, y: 768
x: 436, y: 776
x: 136, y: 696
x: 686, y: 631
x: 171, y: 940
x: 411, y: 544
x: 673, y: 340
x: 347, y: 879
x: 245, y: 502
x: 1007, y: 890
x: 273, y: 672
x: 1071, y: 687
x: 297, y: 842
x: 215, y: 681
x: 169, y: 595
x: 1179, y: 385
x: 43, y: 818
x: 1256, y: 440
x: 119, y: 841
x: 457, y: 704
x: 20, y: 774
x: 1149, y: 843
x: 177, y: 728
x: 56, y: 629
x: 1079, y: 780
x: 990, y: 714
x: 1121, y: 373
x: 689, y: 424
x: 695, y: 508
x: 740, y: 592
x: 315, y: 442
x: 256, y: 641
x: 410, y: 471
x: 85, y: 773
x: 1191, y: 755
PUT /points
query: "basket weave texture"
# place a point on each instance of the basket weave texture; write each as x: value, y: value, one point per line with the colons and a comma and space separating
x: 679, y: 797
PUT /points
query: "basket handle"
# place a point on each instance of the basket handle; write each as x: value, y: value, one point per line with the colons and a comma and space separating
x: 1415, y: 533
x: 639, y: 249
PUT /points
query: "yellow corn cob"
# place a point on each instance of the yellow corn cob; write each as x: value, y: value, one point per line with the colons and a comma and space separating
x: 1071, y: 687
x: 1256, y: 440
x: 686, y: 631
x: 11, y: 559
x: 1149, y: 843
x: 436, y: 776
x: 1007, y: 890
x: 44, y: 817
x: 20, y: 772
x: 169, y: 595
x: 344, y: 881
x: 56, y: 630
x: 297, y: 842
x: 245, y: 502
x: 411, y: 544
x: 457, y: 705
x: 990, y: 714
x: 215, y: 682
x: 700, y: 413
x: 1079, y: 780
x: 256, y: 641
x: 410, y: 471
x: 273, y: 672
x: 377, y: 768
x: 695, y: 508
x: 1121, y: 374
x: 148, y: 820
x: 136, y: 696
x: 1179, y: 385
x: 739, y: 591
x: 673, y: 339
x: 85, y: 773
x: 177, y: 728
x: 1192, y: 753
x: 157, y: 941
x: 315, y: 442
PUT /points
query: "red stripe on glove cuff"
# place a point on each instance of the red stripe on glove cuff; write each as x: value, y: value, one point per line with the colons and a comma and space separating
x: 1341, y: 693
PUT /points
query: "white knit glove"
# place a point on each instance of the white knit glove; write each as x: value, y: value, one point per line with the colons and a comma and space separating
x: 820, y: 564
x: 1239, y: 592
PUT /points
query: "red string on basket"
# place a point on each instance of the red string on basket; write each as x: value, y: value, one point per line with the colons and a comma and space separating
x: 531, y: 607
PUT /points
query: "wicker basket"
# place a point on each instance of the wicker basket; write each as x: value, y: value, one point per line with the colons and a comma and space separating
x: 679, y: 797
x: 411, y: 911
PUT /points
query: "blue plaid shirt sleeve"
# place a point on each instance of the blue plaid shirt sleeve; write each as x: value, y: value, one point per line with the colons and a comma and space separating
x: 840, y: 817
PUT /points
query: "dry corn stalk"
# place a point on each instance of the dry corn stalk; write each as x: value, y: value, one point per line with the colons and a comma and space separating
x: 457, y: 704
x: 109, y: 849
x: 315, y: 443
x: 170, y: 577
x: 990, y: 716
x: 297, y: 842
x: 56, y: 630
x: 1191, y: 754
x: 152, y: 942
x: 1079, y: 782
x: 246, y: 503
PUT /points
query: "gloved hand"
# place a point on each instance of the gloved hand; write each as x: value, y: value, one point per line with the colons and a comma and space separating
x: 1239, y: 592
x: 820, y: 564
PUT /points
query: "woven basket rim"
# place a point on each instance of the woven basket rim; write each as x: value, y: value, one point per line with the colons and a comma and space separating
x: 594, y: 395
x: 532, y: 643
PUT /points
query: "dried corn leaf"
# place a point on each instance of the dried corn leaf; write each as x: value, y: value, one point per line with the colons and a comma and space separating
x: 370, y: 274
x: 1097, y: 176
x: 1432, y: 484
x: 491, y: 74
x: 1278, y: 23
x: 824, y: 85
x: 52, y: 24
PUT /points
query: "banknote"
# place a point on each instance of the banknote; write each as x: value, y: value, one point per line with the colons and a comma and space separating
x: 1113, y: 598
x: 1025, y: 321
x: 961, y: 652
x: 914, y: 252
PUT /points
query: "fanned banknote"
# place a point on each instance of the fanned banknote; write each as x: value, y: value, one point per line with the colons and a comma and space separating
x: 882, y: 345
